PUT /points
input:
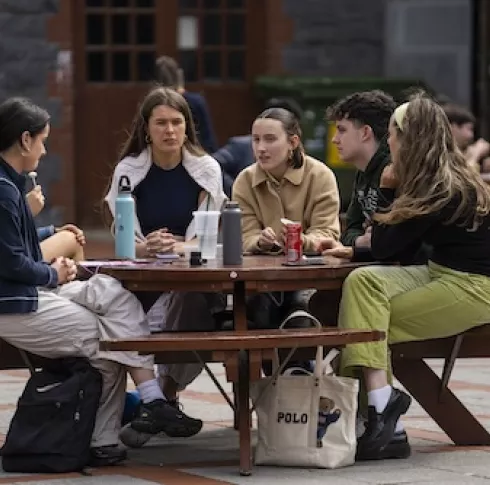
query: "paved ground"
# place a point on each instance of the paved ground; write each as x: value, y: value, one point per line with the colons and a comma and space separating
x: 211, y: 457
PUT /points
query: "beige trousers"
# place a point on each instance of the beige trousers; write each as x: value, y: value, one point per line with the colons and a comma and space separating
x: 70, y: 321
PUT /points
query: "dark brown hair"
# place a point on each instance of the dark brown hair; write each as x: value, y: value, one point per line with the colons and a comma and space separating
x: 372, y: 108
x: 290, y: 124
x: 458, y: 114
x: 167, y: 72
x: 18, y: 115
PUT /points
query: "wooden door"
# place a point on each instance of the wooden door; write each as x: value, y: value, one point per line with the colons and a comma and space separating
x: 116, y: 45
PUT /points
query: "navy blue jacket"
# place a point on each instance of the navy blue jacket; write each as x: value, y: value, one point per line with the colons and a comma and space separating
x: 236, y: 155
x: 202, y: 120
x: 21, y: 267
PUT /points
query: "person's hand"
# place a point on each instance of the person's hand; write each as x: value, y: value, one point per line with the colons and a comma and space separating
x: 478, y: 150
x: 364, y: 241
x: 267, y: 239
x: 79, y: 235
x: 325, y: 243
x: 35, y: 200
x: 388, y: 179
x: 340, y: 251
x: 66, y: 269
x: 160, y: 241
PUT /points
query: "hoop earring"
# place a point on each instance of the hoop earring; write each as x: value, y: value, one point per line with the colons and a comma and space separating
x: 147, y: 139
x: 290, y: 156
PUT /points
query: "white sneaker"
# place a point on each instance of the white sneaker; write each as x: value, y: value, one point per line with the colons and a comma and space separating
x: 132, y: 438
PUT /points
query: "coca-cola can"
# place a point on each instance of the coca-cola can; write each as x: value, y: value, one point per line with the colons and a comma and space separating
x: 294, y: 245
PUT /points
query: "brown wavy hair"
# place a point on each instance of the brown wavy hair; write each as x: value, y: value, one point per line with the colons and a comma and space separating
x: 432, y: 171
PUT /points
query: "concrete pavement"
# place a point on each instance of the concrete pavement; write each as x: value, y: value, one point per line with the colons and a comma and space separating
x: 211, y: 458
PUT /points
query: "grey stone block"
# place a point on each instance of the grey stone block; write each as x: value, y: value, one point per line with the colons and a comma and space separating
x: 25, y: 26
x: 335, y: 38
x: 29, y: 6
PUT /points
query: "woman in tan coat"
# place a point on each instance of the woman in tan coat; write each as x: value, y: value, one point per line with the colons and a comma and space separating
x: 283, y: 183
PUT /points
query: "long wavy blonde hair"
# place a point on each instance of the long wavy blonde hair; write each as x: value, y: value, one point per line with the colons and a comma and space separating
x: 432, y: 171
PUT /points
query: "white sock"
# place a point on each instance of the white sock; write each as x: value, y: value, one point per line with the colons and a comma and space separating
x: 150, y: 390
x: 399, y: 427
x: 379, y: 398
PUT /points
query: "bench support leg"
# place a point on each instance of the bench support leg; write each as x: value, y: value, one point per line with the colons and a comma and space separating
x: 244, y: 417
x: 451, y: 415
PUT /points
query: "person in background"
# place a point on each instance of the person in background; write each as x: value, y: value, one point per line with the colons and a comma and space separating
x: 45, y: 312
x: 283, y: 183
x: 462, y: 123
x: 171, y: 177
x: 67, y: 240
x: 238, y: 154
x: 428, y: 194
x: 168, y: 74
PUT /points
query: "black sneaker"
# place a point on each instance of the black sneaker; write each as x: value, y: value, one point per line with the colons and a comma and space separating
x: 398, y: 447
x: 161, y: 416
x: 136, y: 439
x: 380, y: 429
x: 106, y: 456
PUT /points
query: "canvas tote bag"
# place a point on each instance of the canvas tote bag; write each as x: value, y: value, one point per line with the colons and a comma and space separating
x: 306, y: 420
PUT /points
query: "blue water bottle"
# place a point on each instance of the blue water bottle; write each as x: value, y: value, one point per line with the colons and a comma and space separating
x: 124, y: 221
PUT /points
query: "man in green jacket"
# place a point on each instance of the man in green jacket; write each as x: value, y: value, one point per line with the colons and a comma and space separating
x: 361, y: 121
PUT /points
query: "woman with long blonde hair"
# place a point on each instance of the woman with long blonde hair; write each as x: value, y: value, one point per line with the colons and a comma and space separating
x: 428, y: 194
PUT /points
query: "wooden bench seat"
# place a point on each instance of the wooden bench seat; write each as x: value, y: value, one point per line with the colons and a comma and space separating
x: 432, y: 392
x: 243, y: 353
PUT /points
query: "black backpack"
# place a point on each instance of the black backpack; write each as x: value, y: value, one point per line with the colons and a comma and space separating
x: 52, y: 427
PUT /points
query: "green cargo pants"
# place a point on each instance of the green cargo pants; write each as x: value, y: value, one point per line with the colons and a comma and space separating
x: 409, y: 303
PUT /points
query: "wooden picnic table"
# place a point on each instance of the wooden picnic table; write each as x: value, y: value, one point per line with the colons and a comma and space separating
x: 242, y: 350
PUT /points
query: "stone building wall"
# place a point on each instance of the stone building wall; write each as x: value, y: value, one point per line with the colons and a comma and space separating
x: 26, y: 59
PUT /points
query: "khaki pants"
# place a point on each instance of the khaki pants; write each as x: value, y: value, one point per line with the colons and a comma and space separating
x: 409, y: 303
x: 70, y: 321
x: 184, y: 312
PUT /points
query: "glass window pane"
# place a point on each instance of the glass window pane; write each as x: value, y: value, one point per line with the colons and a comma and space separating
x: 94, y: 3
x: 236, y: 65
x: 235, y: 30
x: 95, y: 29
x: 188, y: 62
x: 211, y: 3
x: 145, y: 62
x: 120, y: 29
x: 145, y: 3
x: 211, y: 32
x: 187, y: 32
x: 188, y: 4
x: 96, y: 67
x: 120, y: 3
x: 145, y: 29
x: 120, y: 66
x: 235, y: 3
x: 212, y: 65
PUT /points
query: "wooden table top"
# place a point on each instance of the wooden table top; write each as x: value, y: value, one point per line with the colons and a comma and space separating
x: 264, y: 268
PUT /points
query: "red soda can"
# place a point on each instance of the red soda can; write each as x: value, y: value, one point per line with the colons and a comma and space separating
x: 294, y: 245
